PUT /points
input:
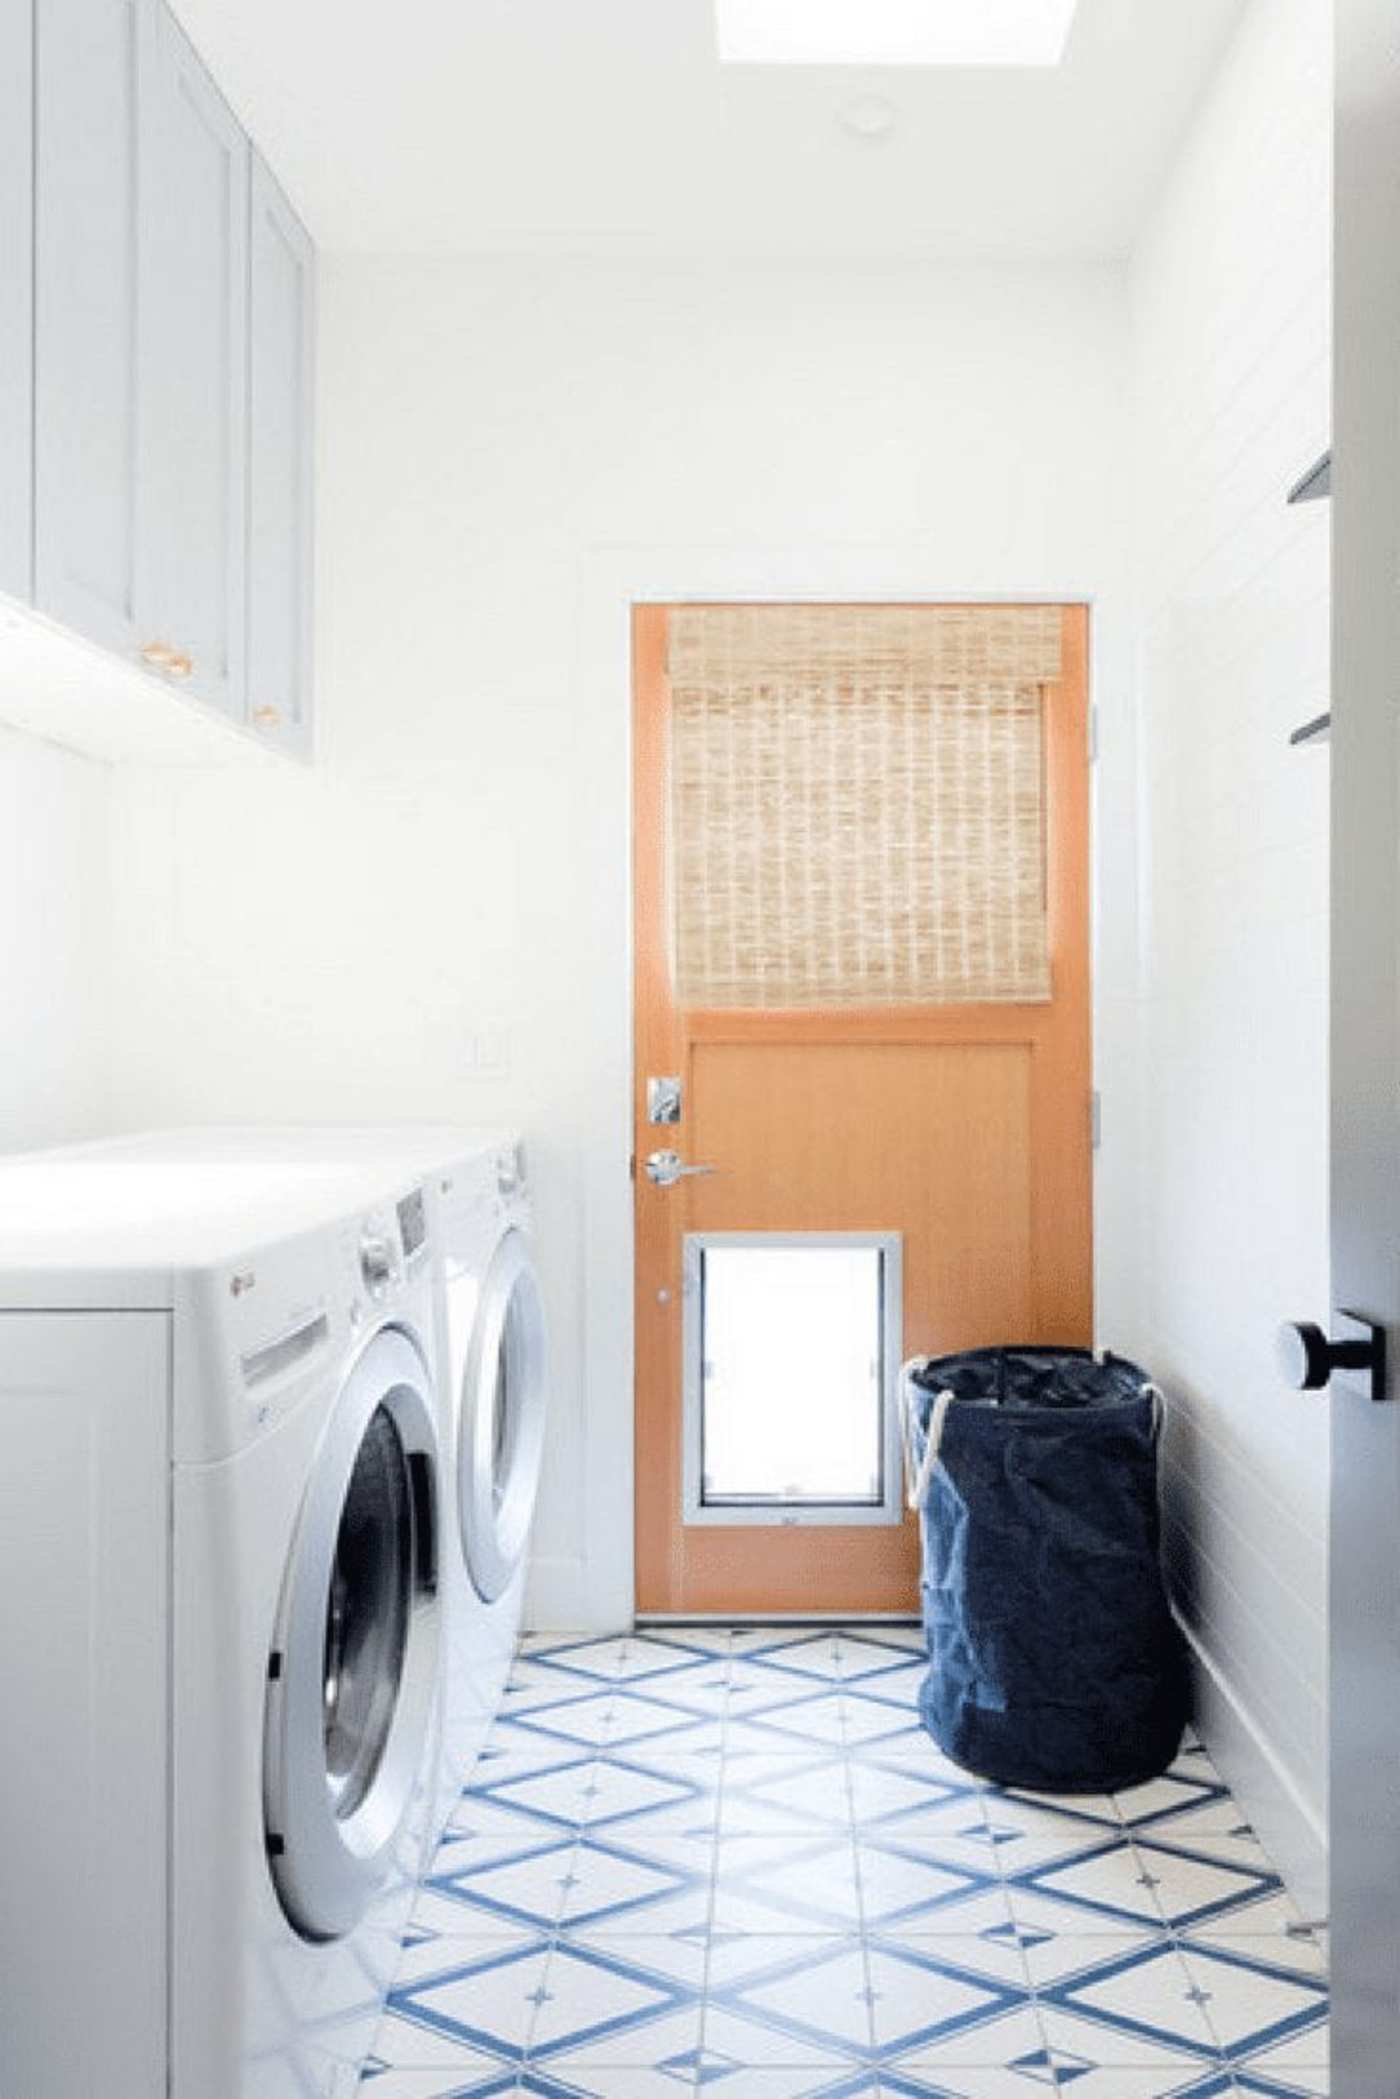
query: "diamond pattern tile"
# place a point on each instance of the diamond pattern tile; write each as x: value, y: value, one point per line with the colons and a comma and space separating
x: 594, y: 1999
x: 775, y: 1794
x: 821, y: 1996
x: 511, y: 1885
x: 728, y: 1861
x: 781, y: 1883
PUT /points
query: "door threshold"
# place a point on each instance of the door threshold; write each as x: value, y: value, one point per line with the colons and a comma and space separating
x: 775, y: 1618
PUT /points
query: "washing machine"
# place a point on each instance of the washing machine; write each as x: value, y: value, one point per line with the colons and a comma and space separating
x: 494, y: 1359
x: 220, y: 1552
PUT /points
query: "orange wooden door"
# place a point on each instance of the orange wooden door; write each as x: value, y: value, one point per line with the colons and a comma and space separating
x: 965, y: 1129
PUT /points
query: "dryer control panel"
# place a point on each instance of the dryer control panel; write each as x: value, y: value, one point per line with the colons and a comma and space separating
x: 392, y: 1246
x: 413, y: 1223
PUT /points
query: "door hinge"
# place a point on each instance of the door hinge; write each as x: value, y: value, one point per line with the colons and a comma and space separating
x: 1093, y: 736
x: 1095, y: 1119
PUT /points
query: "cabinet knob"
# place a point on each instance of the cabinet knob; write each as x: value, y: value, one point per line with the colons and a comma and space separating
x: 267, y: 717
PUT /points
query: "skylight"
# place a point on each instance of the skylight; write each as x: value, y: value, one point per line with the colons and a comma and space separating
x: 893, y: 32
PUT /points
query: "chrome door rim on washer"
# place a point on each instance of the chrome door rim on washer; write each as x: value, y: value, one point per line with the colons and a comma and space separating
x: 508, y: 1341
x: 331, y: 1837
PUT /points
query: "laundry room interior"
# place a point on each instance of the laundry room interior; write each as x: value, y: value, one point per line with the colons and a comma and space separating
x: 668, y: 777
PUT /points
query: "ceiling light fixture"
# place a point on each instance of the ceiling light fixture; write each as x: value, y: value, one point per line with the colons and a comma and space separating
x: 893, y: 32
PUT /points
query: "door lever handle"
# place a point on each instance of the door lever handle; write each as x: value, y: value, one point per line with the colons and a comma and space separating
x: 664, y: 1169
x: 1308, y: 1359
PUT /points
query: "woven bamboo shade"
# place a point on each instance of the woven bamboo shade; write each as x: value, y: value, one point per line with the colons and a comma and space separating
x: 857, y: 804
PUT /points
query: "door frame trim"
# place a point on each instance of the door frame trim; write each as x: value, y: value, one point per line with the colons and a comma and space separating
x: 1363, y: 1600
x: 672, y: 1554
x: 591, y: 1582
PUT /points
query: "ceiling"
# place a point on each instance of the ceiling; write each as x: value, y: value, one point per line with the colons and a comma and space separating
x: 608, y: 127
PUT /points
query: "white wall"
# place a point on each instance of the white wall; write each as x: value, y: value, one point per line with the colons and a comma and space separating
x: 1230, y: 319
x: 512, y: 452
x: 54, y: 881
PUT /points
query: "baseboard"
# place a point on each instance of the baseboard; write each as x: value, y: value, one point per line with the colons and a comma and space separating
x: 558, y: 1599
x: 1288, y: 1826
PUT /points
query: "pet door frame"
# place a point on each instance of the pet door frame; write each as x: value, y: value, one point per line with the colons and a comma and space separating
x: 889, y: 1509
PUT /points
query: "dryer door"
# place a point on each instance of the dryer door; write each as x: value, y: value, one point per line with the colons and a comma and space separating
x: 501, y: 1432
x: 353, y: 1670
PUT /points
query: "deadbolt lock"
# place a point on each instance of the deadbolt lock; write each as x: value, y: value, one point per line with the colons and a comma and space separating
x: 664, y: 1100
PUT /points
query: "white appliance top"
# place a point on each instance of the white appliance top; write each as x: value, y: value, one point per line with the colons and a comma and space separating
x: 406, y: 1149
x: 66, y: 1211
x: 120, y: 1221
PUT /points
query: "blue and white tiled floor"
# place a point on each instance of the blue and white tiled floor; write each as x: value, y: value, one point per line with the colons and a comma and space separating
x: 730, y: 1862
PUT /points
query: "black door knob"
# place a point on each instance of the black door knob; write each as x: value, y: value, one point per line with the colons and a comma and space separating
x: 1308, y: 1359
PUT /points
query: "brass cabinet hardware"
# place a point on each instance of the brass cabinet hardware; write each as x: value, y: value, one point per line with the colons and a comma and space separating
x: 162, y: 657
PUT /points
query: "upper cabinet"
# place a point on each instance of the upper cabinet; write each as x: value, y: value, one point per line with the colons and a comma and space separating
x: 90, y: 56
x: 192, y: 400
x: 16, y: 295
x: 171, y: 387
x: 281, y: 465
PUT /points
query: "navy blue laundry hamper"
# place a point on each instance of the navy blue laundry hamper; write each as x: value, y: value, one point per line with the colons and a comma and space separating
x: 1054, y: 1661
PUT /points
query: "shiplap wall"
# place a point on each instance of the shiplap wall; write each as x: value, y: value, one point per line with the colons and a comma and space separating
x: 1230, y: 308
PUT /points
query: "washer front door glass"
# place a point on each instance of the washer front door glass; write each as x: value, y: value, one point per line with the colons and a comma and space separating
x: 501, y: 1438
x: 353, y: 1668
x: 368, y: 1612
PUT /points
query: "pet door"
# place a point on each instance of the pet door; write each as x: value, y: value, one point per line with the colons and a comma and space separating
x: 792, y: 1353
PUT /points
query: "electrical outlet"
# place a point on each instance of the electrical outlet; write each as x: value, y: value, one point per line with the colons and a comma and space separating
x: 488, y: 1050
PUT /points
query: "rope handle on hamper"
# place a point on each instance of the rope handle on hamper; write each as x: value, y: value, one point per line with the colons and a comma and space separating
x: 906, y: 1421
x: 1159, y: 1407
x: 919, y: 1471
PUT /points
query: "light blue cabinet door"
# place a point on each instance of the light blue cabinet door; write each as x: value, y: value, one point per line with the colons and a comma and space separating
x: 281, y: 467
x: 90, y: 55
x: 193, y: 372
x: 16, y: 294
